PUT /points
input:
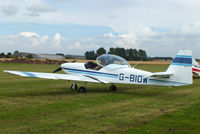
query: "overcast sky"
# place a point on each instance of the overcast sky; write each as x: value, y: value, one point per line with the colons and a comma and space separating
x: 159, y: 27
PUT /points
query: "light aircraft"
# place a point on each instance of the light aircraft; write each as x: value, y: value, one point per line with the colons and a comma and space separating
x: 111, y: 69
x: 195, y: 67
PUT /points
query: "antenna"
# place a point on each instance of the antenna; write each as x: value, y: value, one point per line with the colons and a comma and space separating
x: 136, y: 64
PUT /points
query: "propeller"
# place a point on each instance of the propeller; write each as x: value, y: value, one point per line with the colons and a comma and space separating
x: 58, y: 69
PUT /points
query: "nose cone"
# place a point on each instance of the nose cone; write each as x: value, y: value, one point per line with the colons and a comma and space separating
x: 64, y: 65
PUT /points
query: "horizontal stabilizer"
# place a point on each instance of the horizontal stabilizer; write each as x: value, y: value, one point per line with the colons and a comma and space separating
x: 161, y: 75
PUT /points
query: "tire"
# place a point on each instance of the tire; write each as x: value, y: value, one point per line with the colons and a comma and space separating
x: 82, y: 90
x: 113, y: 88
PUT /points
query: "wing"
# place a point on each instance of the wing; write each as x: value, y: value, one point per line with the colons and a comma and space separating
x: 196, y: 70
x: 161, y: 75
x: 56, y: 76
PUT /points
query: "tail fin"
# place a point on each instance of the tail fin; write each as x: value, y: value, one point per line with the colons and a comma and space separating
x: 181, y: 68
x: 194, y: 62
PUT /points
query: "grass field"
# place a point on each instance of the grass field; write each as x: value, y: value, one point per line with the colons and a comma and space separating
x: 37, y: 106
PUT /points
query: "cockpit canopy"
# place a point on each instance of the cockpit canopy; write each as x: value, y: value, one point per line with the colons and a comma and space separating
x: 107, y: 59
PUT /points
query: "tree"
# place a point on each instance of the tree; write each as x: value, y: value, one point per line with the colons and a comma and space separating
x: 29, y: 56
x: 120, y: 52
x: 2, y: 55
x: 142, y: 55
x: 129, y: 54
x: 16, y: 54
x: 9, y: 55
x: 111, y: 51
x: 87, y: 55
x: 100, y: 51
x: 61, y: 54
x: 90, y: 55
x: 135, y: 54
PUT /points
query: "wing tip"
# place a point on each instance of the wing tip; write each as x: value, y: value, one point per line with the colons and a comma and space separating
x: 6, y: 71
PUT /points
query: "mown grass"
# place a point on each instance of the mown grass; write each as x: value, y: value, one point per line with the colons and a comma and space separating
x: 31, y: 105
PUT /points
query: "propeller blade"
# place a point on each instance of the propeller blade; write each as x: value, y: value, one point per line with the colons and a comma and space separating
x: 58, y: 69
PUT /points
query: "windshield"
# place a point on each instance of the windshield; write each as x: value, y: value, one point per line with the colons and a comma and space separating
x: 107, y: 59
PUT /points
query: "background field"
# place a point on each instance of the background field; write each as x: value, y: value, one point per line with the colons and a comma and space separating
x: 31, y: 105
x: 59, y: 61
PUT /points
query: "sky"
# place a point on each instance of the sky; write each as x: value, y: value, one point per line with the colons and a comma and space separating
x: 160, y: 28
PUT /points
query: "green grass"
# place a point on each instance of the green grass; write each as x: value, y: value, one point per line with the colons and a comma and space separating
x: 184, y: 121
x: 32, y: 106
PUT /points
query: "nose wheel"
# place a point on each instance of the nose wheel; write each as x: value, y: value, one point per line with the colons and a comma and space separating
x: 82, y: 89
x: 113, y: 88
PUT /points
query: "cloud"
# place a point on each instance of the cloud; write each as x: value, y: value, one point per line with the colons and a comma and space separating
x: 76, y: 45
x: 110, y: 35
x: 62, y: 0
x: 159, y: 44
x: 43, y: 39
x: 57, y: 40
x: 123, y: 40
x: 24, y: 41
x: 41, y: 8
x: 36, y: 10
x: 28, y: 34
x: 192, y: 29
x: 9, y: 10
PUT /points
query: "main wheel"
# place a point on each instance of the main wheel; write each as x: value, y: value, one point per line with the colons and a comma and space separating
x: 113, y: 88
x: 82, y: 90
x: 74, y: 86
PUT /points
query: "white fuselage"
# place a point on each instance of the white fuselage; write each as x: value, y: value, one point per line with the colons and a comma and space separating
x: 114, y: 73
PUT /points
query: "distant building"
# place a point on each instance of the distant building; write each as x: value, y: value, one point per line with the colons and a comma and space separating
x: 74, y: 56
x: 24, y: 54
x: 49, y: 56
x: 39, y: 56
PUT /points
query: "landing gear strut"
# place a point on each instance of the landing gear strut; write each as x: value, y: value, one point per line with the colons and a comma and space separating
x: 74, y: 86
x: 80, y: 90
x: 113, y: 88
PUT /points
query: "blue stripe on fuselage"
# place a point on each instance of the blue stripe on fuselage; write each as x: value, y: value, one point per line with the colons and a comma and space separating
x: 181, y: 64
x: 91, y: 72
x: 182, y: 60
x: 184, y: 56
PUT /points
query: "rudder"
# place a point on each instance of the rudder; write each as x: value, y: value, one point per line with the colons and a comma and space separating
x: 181, y: 67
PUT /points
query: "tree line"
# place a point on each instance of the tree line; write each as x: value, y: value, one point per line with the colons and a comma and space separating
x: 13, y: 55
x: 8, y: 55
x: 128, y: 54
